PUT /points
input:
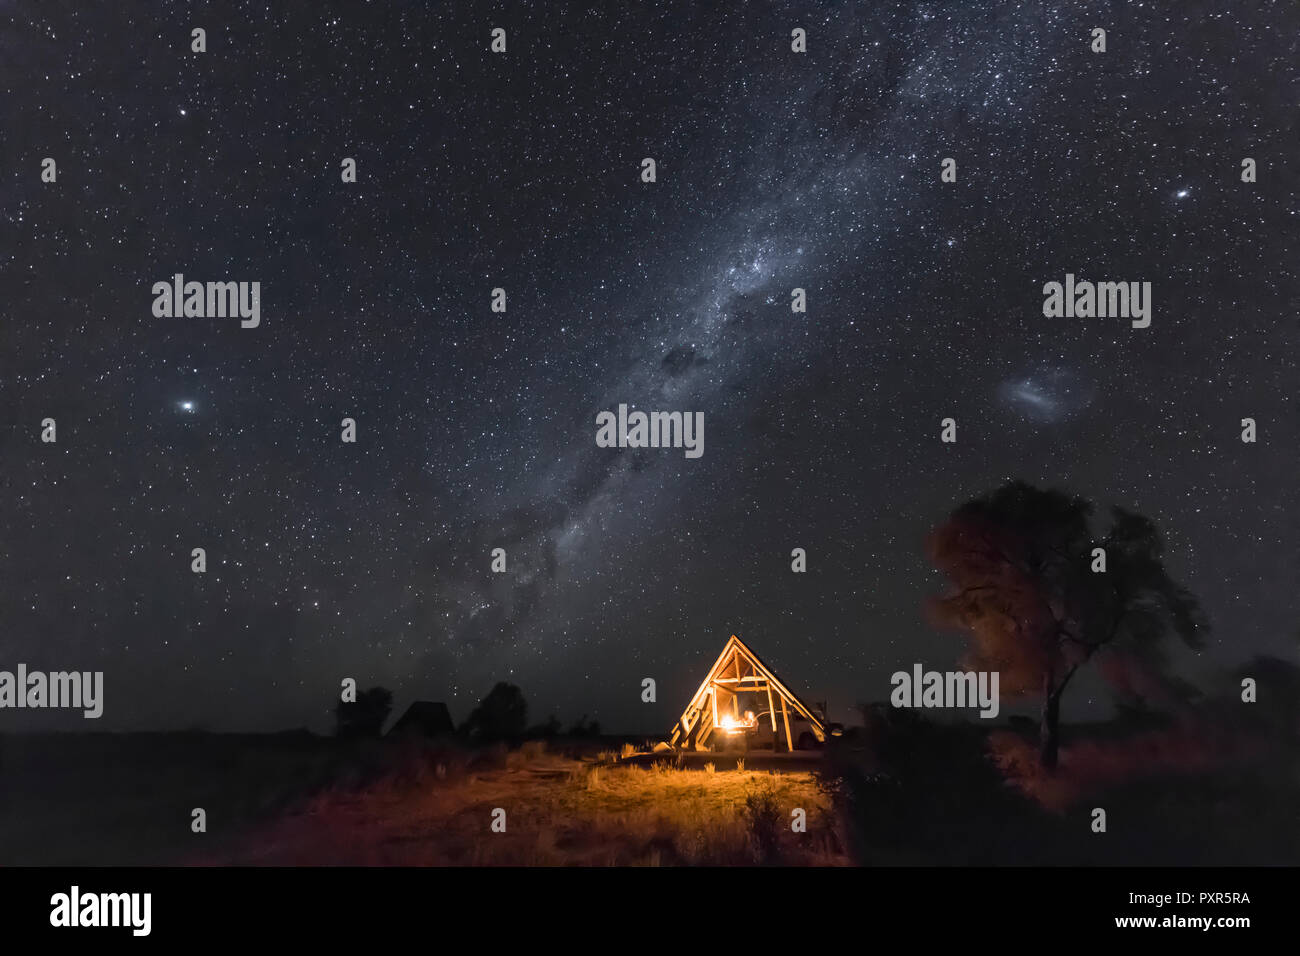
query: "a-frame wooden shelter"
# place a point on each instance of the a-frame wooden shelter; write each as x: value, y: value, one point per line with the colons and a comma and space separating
x: 718, y: 706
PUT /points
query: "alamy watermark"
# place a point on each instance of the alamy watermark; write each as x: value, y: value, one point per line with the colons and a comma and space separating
x: 1103, y: 300
x: 75, y: 690
x: 208, y: 300
x: 653, y: 430
x: 951, y: 690
x: 75, y: 908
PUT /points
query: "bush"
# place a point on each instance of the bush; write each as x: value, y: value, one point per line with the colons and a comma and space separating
x: 763, y: 822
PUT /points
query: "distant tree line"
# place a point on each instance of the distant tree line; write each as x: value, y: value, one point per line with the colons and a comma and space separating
x: 502, y: 715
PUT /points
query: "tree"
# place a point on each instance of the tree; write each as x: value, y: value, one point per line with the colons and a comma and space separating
x: 582, y: 727
x: 1028, y: 585
x: 501, y: 715
x: 365, y: 716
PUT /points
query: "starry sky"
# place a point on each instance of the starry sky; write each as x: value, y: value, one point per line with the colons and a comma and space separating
x: 476, y: 430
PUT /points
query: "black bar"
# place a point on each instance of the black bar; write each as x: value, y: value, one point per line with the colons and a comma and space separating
x: 329, y: 905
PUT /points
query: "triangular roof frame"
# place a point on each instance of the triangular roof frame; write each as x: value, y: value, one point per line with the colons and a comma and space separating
x: 696, y: 722
x: 426, y: 717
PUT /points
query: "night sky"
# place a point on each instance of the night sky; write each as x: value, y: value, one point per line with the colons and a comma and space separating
x: 476, y: 430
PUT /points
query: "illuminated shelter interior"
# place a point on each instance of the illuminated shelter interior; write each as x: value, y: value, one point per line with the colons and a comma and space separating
x: 741, y: 698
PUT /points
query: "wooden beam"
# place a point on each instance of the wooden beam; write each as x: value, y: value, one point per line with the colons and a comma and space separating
x: 698, y: 699
x: 771, y: 712
x: 781, y: 688
x: 759, y: 680
x: 785, y: 715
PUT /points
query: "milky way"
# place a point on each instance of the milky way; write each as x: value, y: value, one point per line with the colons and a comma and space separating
x: 476, y: 430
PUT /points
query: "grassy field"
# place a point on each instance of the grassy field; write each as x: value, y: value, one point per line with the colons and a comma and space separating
x: 558, y: 810
x: 296, y: 799
x: 912, y: 793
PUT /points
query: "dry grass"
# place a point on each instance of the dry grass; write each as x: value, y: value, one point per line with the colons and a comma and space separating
x: 532, y: 749
x: 559, y: 812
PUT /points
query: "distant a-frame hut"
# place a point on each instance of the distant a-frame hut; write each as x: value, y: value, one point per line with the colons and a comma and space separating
x: 742, y: 696
x: 424, y: 718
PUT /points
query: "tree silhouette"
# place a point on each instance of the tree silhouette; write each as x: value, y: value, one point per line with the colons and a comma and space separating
x: 582, y: 727
x: 1278, y: 692
x: 1029, y: 589
x: 365, y: 716
x: 549, y: 728
x: 501, y: 715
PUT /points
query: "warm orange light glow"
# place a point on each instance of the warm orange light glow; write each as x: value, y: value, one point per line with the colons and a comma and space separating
x: 731, y: 725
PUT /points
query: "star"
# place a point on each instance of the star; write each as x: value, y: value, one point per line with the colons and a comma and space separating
x: 776, y: 172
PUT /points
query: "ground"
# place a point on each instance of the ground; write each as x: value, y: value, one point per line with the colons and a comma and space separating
x: 909, y: 793
x: 558, y: 811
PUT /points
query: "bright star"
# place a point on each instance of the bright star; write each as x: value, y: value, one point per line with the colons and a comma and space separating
x: 1183, y: 193
x: 187, y: 406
